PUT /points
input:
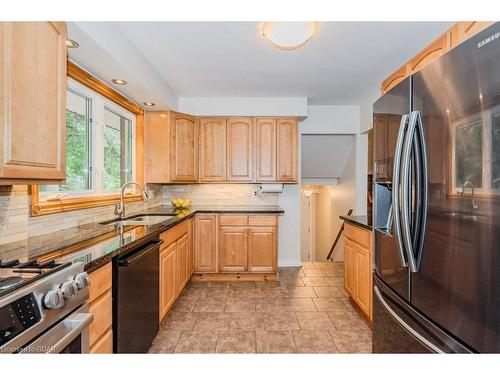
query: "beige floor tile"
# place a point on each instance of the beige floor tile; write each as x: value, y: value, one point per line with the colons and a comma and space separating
x: 301, y: 291
x: 267, y: 284
x: 335, y: 281
x: 308, y: 265
x: 315, y: 281
x: 281, y: 320
x: 236, y: 342
x: 324, y: 265
x: 328, y: 291
x: 352, y: 341
x: 197, y: 342
x: 333, y: 272
x: 302, y: 304
x: 272, y: 304
x: 249, y: 293
x: 314, y: 273
x: 329, y: 304
x: 276, y: 292
x: 242, y: 284
x: 210, y: 305
x: 348, y: 320
x: 312, y: 321
x: 221, y: 293
x: 247, y: 321
x: 179, y: 320
x: 185, y: 304
x: 212, y: 321
x: 165, y: 341
x: 275, y: 342
x: 295, y: 282
x: 195, y: 292
x: 241, y: 305
x: 314, y: 342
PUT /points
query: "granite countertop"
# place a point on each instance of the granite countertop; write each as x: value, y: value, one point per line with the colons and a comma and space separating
x: 363, y: 221
x: 96, y: 244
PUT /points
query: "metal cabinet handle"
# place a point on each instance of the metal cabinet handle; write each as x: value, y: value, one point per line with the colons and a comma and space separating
x: 396, y: 189
x: 405, y: 325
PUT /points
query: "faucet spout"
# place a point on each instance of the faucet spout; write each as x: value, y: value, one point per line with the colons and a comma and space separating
x: 474, y: 206
x: 120, y: 208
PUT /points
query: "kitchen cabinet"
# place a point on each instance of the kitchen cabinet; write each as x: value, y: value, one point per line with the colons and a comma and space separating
x: 358, y: 267
x: 395, y: 78
x: 239, y: 149
x: 386, y: 128
x: 233, y: 248
x: 286, y: 150
x: 262, y: 249
x: 182, y: 258
x: 265, y: 153
x: 464, y: 30
x: 191, y: 246
x: 437, y: 48
x: 157, y: 147
x: 184, y: 148
x: 212, y: 149
x: 101, y: 305
x: 168, y: 282
x: 33, y: 102
x: 205, y: 243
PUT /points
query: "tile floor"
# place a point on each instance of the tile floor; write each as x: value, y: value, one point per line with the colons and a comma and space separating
x: 306, y: 311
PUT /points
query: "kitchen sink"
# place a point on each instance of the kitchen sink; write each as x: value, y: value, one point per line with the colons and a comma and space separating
x: 150, y: 219
x: 464, y: 216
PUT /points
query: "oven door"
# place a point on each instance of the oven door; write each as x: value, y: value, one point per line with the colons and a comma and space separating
x: 71, y: 335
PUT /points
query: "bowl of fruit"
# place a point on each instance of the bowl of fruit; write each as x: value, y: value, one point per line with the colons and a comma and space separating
x: 181, y: 203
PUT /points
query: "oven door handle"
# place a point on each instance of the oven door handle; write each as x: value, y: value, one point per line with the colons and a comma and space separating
x: 61, y: 335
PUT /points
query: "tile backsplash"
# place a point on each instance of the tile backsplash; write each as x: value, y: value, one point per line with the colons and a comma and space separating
x: 16, y: 224
x: 218, y: 194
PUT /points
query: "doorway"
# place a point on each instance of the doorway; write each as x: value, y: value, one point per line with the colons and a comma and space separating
x: 308, y: 221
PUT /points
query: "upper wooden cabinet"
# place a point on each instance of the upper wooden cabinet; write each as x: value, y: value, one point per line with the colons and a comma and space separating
x: 212, y: 149
x: 437, y: 48
x: 286, y: 168
x: 462, y: 31
x: 240, y: 149
x: 33, y: 102
x: 395, y: 78
x: 265, y: 149
x: 157, y: 147
x: 184, y: 152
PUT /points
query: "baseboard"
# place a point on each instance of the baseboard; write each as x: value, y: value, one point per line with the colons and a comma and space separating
x: 289, y: 263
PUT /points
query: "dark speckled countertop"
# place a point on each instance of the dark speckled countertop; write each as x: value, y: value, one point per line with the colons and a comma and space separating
x: 362, y: 221
x: 96, y: 244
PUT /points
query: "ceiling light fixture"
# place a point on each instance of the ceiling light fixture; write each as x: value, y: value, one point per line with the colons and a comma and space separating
x: 119, y: 81
x: 70, y: 43
x: 149, y: 104
x: 288, y: 36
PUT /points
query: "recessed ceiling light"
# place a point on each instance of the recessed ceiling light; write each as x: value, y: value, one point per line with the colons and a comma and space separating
x: 119, y: 81
x: 70, y: 43
x: 288, y: 36
x: 149, y: 104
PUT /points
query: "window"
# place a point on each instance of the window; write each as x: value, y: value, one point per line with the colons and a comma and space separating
x: 476, y: 151
x: 99, y: 146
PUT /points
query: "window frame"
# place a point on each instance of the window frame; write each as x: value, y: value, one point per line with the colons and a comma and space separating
x: 121, y: 106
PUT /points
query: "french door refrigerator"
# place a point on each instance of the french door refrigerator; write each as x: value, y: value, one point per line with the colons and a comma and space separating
x: 437, y: 205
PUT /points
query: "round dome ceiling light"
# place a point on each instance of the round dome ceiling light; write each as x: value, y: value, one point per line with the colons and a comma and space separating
x: 70, y: 43
x: 119, y: 82
x: 149, y: 104
x: 288, y: 36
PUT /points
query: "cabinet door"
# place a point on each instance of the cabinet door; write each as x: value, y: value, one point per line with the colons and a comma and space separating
x: 191, y: 246
x: 265, y: 153
x: 262, y: 249
x: 430, y: 53
x: 363, y: 283
x: 350, y: 267
x: 184, y: 148
x: 182, y: 258
x: 157, y: 147
x: 205, y: 243
x: 168, y: 290
x: 466, y: 29
x: 239, y: 149
x: 33, y: 101
x: 213, y: 149
x: 233, y: 249
x: 286, y: 149
x: 395, y: 78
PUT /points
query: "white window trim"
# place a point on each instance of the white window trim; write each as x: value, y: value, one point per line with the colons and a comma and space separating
x: 99, y: 103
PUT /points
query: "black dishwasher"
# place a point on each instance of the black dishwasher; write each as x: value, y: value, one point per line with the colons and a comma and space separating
x: 135, y: 298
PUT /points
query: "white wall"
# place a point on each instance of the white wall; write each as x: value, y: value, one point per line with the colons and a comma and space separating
x: 366, y: 111
x: 234, y: 106
x: 331, y: 119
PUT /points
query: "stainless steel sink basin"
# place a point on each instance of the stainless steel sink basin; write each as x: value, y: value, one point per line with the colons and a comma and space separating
x: 464, y: 216
x: 139, y: 220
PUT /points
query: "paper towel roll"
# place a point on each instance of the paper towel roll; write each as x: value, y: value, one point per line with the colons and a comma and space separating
x: 271, y: 188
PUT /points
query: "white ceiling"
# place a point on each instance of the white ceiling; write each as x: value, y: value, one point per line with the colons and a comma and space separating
x: 343, y: 63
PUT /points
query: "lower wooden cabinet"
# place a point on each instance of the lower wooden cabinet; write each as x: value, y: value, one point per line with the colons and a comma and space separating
x: 262, y: 249
x: 358, y: 267
x: 182, y: 259
x: 205, y: 243
x: 101, y: 305
x: 233, y: 249
x: 168, y: 286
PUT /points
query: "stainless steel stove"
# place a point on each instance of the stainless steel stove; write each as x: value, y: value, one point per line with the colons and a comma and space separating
x: 43, y: 307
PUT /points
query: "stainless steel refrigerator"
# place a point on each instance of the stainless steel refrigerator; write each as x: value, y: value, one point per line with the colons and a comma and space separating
x: 437, y: 205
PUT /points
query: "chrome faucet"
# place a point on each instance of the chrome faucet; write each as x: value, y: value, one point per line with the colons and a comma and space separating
x: 120, y: 208
x: 474, y: 206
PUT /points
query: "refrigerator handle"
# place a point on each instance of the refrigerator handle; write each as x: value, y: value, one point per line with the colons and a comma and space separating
x: 395, y: 207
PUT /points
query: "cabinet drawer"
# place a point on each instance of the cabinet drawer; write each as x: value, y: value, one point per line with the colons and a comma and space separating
x: 102, y: 309
x: 173, y: 234
x: 356, y: 234
x: 100, y: 281
x: 262, y: 220
x: 233, y: 219
x: 104, y: 345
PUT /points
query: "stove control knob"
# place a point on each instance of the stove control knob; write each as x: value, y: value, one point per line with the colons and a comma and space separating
x: 82, y: 280
x: 69, y: 289
x: 53, y: 299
